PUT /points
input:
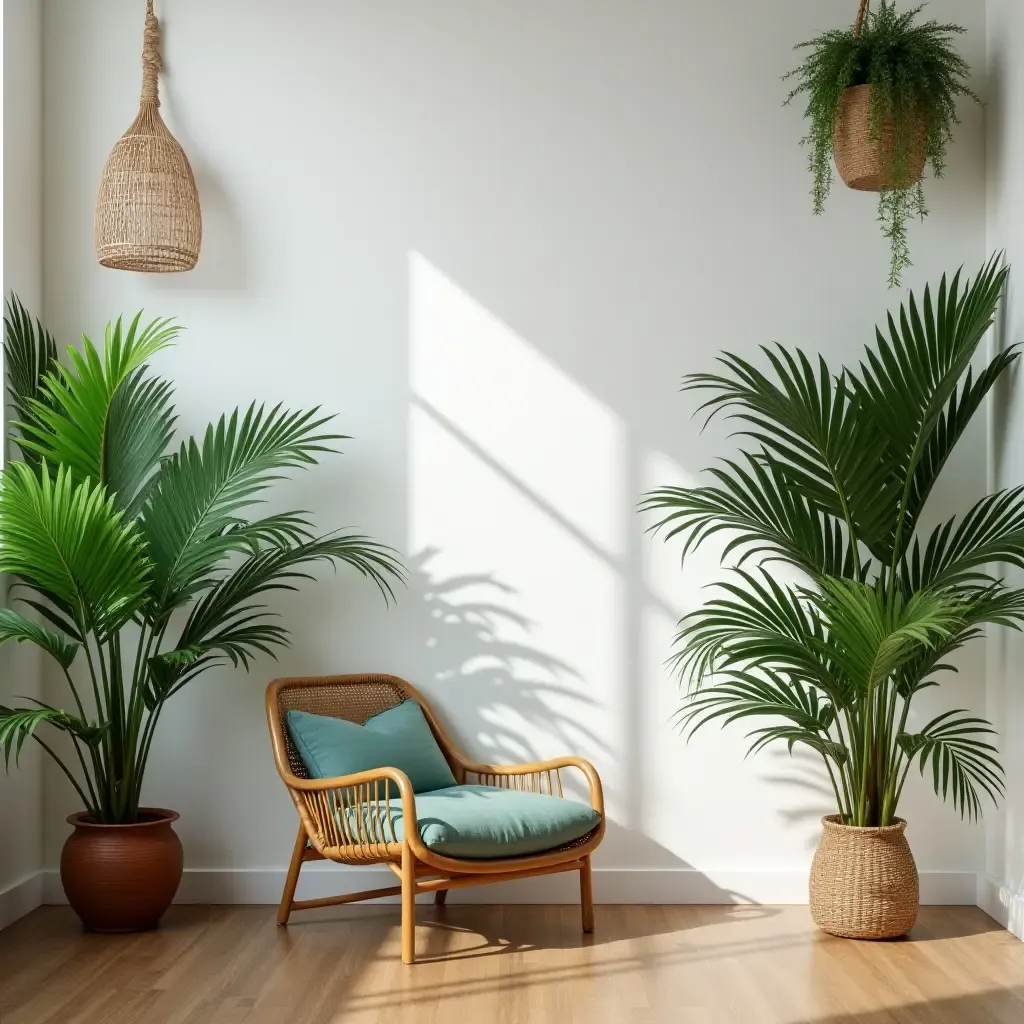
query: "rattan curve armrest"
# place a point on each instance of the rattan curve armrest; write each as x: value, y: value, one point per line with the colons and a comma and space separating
x: 543, y: 772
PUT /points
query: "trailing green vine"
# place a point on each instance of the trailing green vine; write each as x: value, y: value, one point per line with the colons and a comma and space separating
x: 916, y: 76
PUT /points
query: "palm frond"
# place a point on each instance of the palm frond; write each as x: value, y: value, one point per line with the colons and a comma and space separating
x: 908, y: 381
x: 756, y: 505
x: 18, y: 628
x: 870, y: 637
x: 963, y: 762
x: 229, y: 619
x: 67, y: 540
x: 30, y: 353
x: 807, y: 419
x: 193, y: 519
x: 19, y: 724
x: 956, y: 552
x: 102, y: 417
x: 760, y: 625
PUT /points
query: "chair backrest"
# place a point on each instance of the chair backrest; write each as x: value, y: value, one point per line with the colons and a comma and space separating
x: 355, y: 698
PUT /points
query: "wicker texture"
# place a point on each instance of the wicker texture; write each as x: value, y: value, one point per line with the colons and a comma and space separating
x: 864, y: 882
x: 147, y: 208
x: 355, y: 700
x: 859, y: 158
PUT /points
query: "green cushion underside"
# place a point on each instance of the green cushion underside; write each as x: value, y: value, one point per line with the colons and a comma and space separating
x: 482, y: 822
x: 397, y: 738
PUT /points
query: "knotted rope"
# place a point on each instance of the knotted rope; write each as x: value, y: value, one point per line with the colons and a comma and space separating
x: 151, y: 62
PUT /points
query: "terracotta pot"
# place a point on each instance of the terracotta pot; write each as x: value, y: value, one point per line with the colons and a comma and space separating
x: 121, y: 878
x: 864, y: 882
x: 860, y: 160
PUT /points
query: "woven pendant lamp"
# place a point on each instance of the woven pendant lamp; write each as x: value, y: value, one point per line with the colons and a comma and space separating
x: 147, y: 210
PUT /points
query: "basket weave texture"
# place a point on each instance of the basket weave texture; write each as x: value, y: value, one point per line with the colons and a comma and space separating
x: 864, y: 882
x: 147, y: 209
x: 859, y: 158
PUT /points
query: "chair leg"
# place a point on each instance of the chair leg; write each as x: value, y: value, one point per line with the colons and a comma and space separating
x: 587, y: 896
x: 285, y: 909
x: 440, y: 896
x: 408, y: 906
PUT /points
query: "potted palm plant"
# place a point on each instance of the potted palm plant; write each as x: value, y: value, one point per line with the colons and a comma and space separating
x: 144, y: 568
x: 881, y: 99
x: 834, y: 484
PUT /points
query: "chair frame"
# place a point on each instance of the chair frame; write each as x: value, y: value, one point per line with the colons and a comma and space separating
x: 328, y: 808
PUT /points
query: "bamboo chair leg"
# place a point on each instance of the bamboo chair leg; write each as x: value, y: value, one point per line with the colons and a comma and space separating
x: 587, y: 896
x: 285, y: 909
x: 440, y: 896
x: 408, y: 906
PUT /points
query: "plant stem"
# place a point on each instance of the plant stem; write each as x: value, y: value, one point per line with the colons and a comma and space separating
x: 93, y: 812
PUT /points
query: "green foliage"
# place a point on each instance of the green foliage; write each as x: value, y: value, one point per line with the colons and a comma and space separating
x: 106, y: 535
x: 915, y: 74
x: 836, y: 484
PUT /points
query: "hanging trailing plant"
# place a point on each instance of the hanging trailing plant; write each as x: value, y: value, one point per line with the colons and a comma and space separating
x: 881, y: 99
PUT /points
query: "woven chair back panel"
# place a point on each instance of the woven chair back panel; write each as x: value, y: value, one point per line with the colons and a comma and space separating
x: 355, y: 701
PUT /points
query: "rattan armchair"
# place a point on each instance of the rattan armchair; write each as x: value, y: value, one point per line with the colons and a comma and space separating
x: 347, y: 819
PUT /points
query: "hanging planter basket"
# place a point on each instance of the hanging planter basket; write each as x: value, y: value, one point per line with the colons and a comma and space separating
x: 866, y: 163
x: 147, y: 209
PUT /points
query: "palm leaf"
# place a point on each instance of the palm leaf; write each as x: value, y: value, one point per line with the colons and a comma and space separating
x: 192, y: 517
x: 228, y: 618
x: 16, y: 627
x: 957, y: 552
x: 102, y: 417
x: 906, y: 383
x: 68, y: 541
x: 768, y: 695
x: 963, y: 762
x: 19, y: 724
x: 764, y: 515
x: 29, y: 354
x: 808, y: 420
x: 869, y: 637
x: 758, y: 626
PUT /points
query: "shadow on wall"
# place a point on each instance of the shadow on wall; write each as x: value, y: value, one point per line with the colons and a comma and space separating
x: 505, y: 700
x: 557, y: 646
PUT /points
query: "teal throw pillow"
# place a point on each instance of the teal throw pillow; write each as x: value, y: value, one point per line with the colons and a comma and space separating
x: 397, y: 738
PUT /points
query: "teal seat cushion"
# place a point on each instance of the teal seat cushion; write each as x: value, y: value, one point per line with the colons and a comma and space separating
x: 397, y: 738
x: 482, y: 822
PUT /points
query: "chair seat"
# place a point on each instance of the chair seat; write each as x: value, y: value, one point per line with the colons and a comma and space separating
x: 485, y: 823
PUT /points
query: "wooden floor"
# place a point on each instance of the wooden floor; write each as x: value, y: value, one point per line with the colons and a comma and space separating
x: 509, y: 965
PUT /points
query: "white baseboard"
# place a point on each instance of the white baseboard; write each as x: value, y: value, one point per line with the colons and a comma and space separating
x: 611, y: 885
x: 21, y: 897
x: 1002, y: 903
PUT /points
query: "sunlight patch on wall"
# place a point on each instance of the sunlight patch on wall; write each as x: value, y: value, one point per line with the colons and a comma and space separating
x: 516, y: 489
x: 533, y: 420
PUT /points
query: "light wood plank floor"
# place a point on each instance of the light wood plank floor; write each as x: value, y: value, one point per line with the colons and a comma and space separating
x: 509, y: 965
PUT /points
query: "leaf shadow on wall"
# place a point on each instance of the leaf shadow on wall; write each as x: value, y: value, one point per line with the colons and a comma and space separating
x: 501, y: 698
x: 517, y: 465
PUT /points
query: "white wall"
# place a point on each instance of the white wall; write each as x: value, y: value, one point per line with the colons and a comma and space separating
x: 1003, y: 892
x: 21, y: 791
x: 492, y: 237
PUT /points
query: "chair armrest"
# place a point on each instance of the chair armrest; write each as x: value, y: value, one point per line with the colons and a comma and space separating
x: 352, y: 811
x: 537, y: 776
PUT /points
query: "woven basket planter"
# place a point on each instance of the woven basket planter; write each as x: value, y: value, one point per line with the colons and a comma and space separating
x: 864, y: 882
x: 859, y: 158
x: 147, y: 208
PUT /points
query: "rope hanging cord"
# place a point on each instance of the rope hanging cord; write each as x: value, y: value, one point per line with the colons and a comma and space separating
x: 151, y: 62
